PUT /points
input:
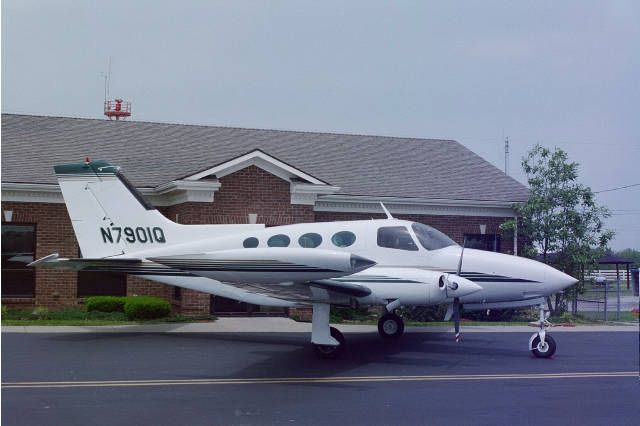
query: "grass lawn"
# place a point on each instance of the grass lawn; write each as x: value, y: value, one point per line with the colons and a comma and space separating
x: 78, y: 317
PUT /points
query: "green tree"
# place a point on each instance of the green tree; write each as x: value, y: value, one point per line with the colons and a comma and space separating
x: 560, y: 223
x: 630, y: 253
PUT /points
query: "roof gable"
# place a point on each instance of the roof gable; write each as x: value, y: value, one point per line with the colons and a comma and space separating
x: 259, y: 159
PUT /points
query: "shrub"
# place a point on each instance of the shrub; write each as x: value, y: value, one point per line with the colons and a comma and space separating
x: 106, y: 303
x: 146, y: 307
x: 40, y: 313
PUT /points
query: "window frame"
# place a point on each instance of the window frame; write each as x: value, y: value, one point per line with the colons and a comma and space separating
x: 29, y: 271
x: 484, y: 238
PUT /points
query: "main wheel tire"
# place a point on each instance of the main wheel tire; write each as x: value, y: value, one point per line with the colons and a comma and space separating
x: 329, y: 351
x: 544, y: 351
x: 390, y: 326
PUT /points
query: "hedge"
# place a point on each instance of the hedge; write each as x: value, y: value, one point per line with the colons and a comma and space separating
x: 105, y: 303
x: 146, y: 307
x: 134, y: 307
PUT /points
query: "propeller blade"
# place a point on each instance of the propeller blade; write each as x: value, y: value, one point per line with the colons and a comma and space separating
x: 456, y: 317
x: 460, y: 261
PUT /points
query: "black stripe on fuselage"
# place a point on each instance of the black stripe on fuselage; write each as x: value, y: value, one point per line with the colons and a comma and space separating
x: 480, y: 277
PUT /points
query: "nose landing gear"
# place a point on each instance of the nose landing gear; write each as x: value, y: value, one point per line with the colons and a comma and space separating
x: 542, y: 344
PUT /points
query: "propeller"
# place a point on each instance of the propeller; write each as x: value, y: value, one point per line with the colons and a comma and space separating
x: 455, y: 307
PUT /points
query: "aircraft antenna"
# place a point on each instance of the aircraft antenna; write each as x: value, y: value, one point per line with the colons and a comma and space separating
x: 386, y: 211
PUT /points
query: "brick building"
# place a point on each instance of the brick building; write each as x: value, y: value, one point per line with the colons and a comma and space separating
x: 202, y: 174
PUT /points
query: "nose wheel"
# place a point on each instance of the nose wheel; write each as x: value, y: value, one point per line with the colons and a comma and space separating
x: 390, y: 326
x: 543, y: 349
x: 541, y: 344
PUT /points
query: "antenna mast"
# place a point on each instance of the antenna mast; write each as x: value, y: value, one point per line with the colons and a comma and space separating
x: 506, y: 155
x: 118, y: 108
x: 107, y: 79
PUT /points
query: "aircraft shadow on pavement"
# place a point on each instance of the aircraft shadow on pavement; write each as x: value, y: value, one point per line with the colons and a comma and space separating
x: 251, y: 355
x: 292, y: 354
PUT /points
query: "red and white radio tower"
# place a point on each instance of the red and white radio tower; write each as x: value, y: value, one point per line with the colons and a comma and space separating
x: 116, y: 108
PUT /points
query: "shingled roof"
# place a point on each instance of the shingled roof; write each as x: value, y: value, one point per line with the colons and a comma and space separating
x: 151, y: 154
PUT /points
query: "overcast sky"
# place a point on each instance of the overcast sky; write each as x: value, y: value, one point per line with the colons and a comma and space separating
x: 561, y: 73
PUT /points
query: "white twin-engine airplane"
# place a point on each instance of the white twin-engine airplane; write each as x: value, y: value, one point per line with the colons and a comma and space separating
x: 388, y: 262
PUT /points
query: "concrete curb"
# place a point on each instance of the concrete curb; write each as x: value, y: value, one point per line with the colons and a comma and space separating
x: 286, y: 325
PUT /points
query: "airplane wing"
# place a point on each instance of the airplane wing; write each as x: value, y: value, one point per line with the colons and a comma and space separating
x: 286, y: 274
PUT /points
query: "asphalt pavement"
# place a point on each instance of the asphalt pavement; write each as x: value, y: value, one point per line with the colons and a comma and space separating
x: 247, y: 378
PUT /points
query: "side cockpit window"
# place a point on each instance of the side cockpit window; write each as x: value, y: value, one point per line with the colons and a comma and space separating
x: 430, y: 238
x: 396, y: 237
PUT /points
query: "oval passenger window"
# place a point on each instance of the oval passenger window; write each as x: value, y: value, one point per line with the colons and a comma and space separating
x: 279, y: 240
x: 310, y: 240
x: 250, y: 242
x: 343, y: 238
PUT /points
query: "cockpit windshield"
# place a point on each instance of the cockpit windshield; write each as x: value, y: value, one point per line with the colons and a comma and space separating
x: 430, y: 238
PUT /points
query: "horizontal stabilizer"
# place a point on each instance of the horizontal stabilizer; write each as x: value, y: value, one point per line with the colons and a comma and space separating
x: 78, y: 264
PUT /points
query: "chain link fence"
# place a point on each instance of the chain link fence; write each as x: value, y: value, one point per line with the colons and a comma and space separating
x: 606, y: 300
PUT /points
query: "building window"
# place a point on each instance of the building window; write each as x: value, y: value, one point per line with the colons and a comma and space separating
x: 396, y: 237
x: 489, y: 242
x: 94, y: 283
x: 310, y: 240
x: 102, y: 284
x: 250, y: 242
x: 18, y: 250
x: 279, y: 240
x: 343, y: 238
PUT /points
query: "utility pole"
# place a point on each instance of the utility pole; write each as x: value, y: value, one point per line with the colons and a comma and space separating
x: 506, y: 155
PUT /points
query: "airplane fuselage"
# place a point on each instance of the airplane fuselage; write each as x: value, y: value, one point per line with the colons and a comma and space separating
x: 404, y: 267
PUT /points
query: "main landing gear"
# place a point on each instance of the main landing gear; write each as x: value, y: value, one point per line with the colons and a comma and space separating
x: 331, y: 351
x: 390, y: 326
x: 327, y: 342
x: 541, y: 344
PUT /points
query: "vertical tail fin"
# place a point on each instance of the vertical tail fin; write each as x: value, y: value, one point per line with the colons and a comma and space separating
x: 109, y: 216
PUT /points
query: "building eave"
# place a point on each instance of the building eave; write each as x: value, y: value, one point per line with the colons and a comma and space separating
x: 322, y: 197
x: 417, y: 206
